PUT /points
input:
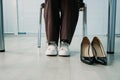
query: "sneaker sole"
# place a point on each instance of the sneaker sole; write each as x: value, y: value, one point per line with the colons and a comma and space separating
x: 51, y: 54
x: 64, y: 55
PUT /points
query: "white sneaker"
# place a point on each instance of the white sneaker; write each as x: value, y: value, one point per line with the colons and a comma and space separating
x: 64, y: 49
x: 51, y: 50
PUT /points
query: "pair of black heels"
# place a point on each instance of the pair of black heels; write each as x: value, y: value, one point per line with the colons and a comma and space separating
x: 92, y: 52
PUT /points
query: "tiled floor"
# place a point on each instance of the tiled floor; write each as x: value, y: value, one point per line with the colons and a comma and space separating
x: 24, y: 61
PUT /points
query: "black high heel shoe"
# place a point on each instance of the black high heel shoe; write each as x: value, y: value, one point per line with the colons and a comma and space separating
x: 100, y: 56
x: 86, y: 55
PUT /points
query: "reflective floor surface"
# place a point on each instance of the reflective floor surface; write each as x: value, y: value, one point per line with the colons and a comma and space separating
x: 24, y: 61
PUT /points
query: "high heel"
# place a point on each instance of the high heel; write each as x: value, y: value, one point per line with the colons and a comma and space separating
x: 100, y: 56
x: 86, y: 55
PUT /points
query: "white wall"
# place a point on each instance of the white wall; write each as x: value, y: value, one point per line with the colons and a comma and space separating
x: 118, y: 18
x: 29, y: 15
x: 97, y: 19
x: 28, y: 11
x: 10, y: 16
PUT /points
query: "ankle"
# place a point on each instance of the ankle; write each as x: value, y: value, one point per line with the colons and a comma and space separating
x: 52, y: 43
x: 63, y: 43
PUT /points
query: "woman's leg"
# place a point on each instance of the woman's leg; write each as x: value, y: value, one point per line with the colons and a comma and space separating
x: 69, y: 14
x: 52, y: 20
